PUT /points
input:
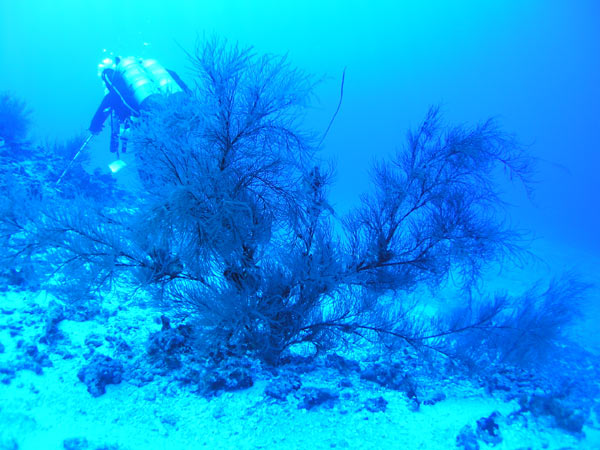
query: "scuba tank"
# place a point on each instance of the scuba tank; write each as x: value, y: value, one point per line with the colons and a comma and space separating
x: 161, y: 76
x: 144, y: 78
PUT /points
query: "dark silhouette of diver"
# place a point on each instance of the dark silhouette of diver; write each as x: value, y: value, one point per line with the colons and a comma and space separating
x: 133, y: 85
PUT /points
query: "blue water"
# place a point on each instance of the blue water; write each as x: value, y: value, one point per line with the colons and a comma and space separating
x: 533, y: 65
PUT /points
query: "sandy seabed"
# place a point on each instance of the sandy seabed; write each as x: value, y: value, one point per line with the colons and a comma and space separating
x: 53, y: 409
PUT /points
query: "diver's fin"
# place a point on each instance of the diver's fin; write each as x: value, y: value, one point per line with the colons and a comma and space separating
x: 117, y: 165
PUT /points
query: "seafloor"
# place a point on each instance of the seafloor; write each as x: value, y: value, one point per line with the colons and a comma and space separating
x: 118, y: 378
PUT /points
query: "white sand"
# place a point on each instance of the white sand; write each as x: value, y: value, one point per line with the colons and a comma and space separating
x: 41, y: 411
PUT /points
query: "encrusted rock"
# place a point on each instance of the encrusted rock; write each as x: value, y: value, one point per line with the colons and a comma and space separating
x: 167, y: 344
x: 341, y: 364
x: 8, y: 443
x: 54, y: 316
x: 280, y: 388
x: 99, y: 372
x: 391, y: 377
x: 94, y: 340
x: 311, y: 397
x: 7, y: 373
x: 434, y: 398
x: 565, y: 417
x: 228, y: 380
x: 466, y: 439
x: 76, y: 444
x: 32, y: 359
x: 488, y: 429
x: 300, y: 364
x: 377, y: 404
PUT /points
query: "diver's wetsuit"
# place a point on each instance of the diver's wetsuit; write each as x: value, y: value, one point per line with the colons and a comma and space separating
x: 112, y: 101
x: 118, y: 93
x: 115, y: 101
x: 120, y: 101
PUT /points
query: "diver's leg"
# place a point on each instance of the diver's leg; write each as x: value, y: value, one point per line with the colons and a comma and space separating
x: 125, y: 135
x: 115, y: 128
x: 114, y: 141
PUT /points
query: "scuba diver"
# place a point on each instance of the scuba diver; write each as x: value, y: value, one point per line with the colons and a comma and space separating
x: 133, y: 84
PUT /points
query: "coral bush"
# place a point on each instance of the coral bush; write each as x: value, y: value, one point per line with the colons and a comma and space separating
x: 29, y: 191
x: 233, y: 232
x: 14, y: 119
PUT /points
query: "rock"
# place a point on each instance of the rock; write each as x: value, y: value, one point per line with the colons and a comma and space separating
x: 191, y: 375
x: 466, y: 439
x: 313, y: 397
x: 301, y: 364
x: 140, y: 376
x: 280, y: 388
x: 565, y: 417
x: 165, y: 323
x: 108, y: 447
x: 94, y: 340
x: 122, y: 347
x: 499, y: 382
x: 150, y: 396
x: 435, y: 398
x: 75, y: 444
x: 31, y: 365
x: 54, y: 316
x: 239, y: 379
x: 572, y: 421
x: 167, y: 344
x: 345, y: 383
x: 488, y: 429
x: 414, y: 404
x: 224, y: 380
x: 391, y: 377
x: 7, y: 373
x: 22, y: 278
x: 34, y: 355
x: 377, y: 404
x: 8, y: 443
x: 100, y: 371
x: 84, y: 310
x: 341, y: 364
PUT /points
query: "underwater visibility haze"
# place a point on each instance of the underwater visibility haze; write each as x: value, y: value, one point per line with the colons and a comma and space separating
x: 260, y: 224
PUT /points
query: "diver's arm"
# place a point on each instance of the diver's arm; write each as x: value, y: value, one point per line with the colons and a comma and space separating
x: 102, y: 114
x: 180, y: 82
